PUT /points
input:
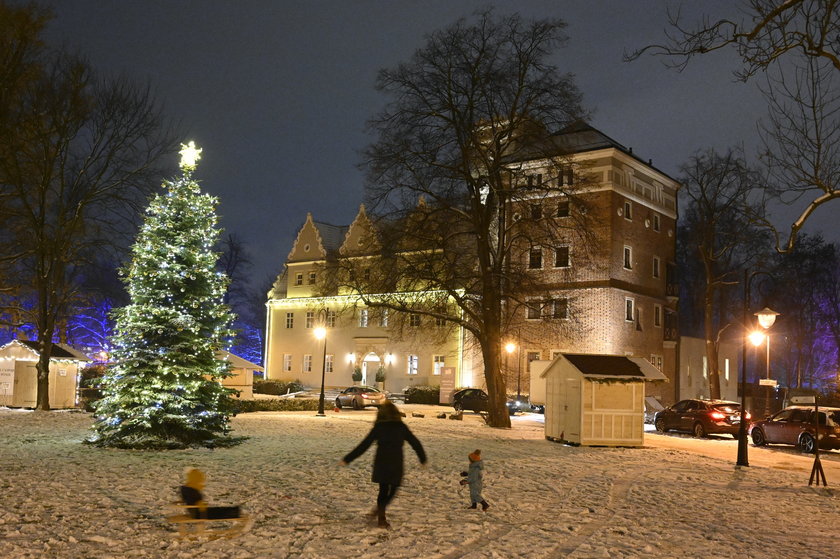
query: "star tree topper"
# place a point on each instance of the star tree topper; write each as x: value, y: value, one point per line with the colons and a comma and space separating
x: 189, y: 156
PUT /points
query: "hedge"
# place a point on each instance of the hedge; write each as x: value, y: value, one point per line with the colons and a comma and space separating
x: 277, y: 387
x: 422, y: 395
x: 282, y: 404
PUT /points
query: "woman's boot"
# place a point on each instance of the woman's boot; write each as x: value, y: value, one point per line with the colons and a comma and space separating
x: 383, y: 522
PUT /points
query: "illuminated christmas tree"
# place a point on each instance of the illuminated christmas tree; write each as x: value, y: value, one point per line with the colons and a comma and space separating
x: 164, y: 390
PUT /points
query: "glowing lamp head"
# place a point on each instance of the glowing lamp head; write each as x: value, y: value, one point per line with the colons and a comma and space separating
x: 510, y: 347
x: 320, y: 332
x: 766, y: 317
x: 756, y: 338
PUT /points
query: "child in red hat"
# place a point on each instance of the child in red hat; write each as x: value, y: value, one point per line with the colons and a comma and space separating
x: 475, y: 480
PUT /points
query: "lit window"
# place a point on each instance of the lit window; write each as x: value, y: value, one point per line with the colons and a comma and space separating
x: 726, y: 369
x: 656, y: 266
x: 439, y: 364
x: 363, y: 318
x: 328, y: 363
x: 629, y: 309
x: 287, y: 362
x: 414, y: 320
x: 307, y: 363
x: 413, y: 362
x: 290, y: 320
x: 561, y: 257
x: 628, y: 258
x: 299, y: 279
x: 535, y: 258
x: 310, y: 319
x: 330, y: 319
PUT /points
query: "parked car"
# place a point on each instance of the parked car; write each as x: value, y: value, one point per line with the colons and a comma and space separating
x: 477, y: 400
x: 360, y: 397
x: 701, y: 417
x: 795, y: 425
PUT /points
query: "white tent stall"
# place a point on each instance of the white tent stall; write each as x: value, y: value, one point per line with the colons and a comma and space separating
x: 597, y: 400
x: 19, y: 377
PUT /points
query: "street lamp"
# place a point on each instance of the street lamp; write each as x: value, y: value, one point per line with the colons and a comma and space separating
x: 743, y: 459
x: 321, y: 334
x: 509, y: 347
x: 766, y: 319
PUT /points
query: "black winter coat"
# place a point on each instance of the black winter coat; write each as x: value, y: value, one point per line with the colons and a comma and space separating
x: 388, y: 462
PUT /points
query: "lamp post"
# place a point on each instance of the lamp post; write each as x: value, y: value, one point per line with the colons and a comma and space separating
x: 743, y: 459
x: 321, y: 334
x: 509, y: 347
x: 766, y: 319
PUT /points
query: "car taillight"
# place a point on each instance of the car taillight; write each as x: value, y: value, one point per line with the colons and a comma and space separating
x: 365, y: 396
x: 748, y: 415
x: 717, y: 415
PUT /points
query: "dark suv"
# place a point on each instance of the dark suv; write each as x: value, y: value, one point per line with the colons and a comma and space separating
x: 795, y: 425
x: 701, y: 417
x: 477, y: 400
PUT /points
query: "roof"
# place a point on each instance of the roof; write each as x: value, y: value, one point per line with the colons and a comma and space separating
x: 237, y: 362
x: 580, y: 137
x: 59, y: 351
x: 611, y: 366
x: 332, y: 236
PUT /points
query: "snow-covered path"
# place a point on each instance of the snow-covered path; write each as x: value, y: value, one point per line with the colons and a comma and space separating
x: 65, y: 500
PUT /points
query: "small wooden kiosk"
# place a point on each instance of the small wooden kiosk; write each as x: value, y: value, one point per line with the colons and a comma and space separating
x: 19, y: 377
x: 597, y: 400
x: 243, y: 375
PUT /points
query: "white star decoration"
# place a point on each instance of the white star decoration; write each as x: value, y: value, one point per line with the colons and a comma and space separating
x: 189, y: 155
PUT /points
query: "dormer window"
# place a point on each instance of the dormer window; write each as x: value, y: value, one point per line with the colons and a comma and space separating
x: 311, y: 278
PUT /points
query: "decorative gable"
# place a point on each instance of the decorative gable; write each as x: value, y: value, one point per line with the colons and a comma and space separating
x: 308, y: 244
x: 361, y: 238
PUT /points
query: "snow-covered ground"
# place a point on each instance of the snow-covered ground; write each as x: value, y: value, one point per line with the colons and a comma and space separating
x: 62, y: 499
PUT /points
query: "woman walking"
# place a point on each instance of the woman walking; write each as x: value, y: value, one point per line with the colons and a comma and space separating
x: 390, y: 433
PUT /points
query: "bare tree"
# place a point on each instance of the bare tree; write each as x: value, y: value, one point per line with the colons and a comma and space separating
x: 716, y: 233
x: 76, y: 162
x: 770, y: 31
x: 802, y: 141
x: 800, y: 41
x: 467, y: 116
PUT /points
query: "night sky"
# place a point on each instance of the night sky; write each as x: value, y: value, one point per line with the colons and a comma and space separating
x: 277, y: 93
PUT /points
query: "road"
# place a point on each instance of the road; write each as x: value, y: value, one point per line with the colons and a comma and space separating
x: 772, y: 456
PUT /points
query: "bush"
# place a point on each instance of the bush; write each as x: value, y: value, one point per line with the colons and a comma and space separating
x: 285, y: 404
x: 380, y: 374
x: 357, y: 374
x: 276, y: 387
x: 422, y: 395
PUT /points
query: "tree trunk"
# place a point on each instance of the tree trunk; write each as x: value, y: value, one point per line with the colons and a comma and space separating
x: 43, y: 368
x: 496, y: 388
x: 711, y: 345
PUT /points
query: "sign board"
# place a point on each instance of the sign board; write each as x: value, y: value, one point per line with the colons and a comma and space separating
x: 768, y: 382
x: 7, y: 377
x: 447, y: 384
x: 803, y: 400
